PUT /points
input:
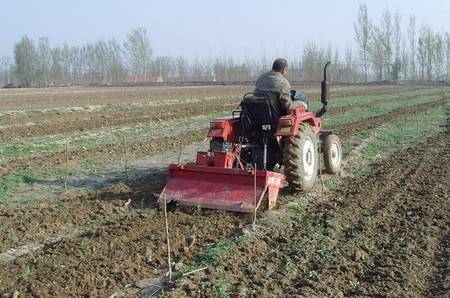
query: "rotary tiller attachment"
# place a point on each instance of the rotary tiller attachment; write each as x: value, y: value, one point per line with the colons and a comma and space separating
x: 221, y: 188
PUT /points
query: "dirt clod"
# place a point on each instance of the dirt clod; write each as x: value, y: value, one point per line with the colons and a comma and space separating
x: 178, y: 266
x: 359, y: 255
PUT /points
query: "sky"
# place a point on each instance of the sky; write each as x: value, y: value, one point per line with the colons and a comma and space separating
x: 206, y: 28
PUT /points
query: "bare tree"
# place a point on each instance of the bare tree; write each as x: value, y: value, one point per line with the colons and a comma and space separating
x: 421, y: 56
x: 313, y: 60
x: 116, y: 71
x: 56, y: 70
x: 90, y: 60
x: 378, y: 53
x: 438, y: 57
x: 386, y: 31
x: 76, y: 62
x: 66, y: 63
x: 182, y: 68
x: 161, y: 67
x: 427, y: 50
x: 6, y: 71
x: 363, y: 29
x: 349, y: 69
x: 43, y: 61
x: 25, y: 59
x: 139, y: 51
x: 219, y: 70
x: 447, y: 53
x: 405, y: 60
x: 101, y: 60
x: 397, y: 38
x: 197, y: 70
x: 412, y: 46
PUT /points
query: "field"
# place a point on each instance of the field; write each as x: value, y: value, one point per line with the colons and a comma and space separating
x: 81, y: 170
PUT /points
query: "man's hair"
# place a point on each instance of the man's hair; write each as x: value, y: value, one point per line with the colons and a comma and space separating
x: 279, y: 64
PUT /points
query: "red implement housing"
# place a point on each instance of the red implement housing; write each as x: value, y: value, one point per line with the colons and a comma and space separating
x: 226, y: 128
x: 221, y: 188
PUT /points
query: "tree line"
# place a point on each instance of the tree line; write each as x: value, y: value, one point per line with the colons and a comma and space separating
x: 389, y: 53
x: 386, y: 51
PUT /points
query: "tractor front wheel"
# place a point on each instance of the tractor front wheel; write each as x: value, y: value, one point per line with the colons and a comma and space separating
x: 300, y: 159
x: 332, y: 154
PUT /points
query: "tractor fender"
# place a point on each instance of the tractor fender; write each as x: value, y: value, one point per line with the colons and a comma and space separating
x: 288, y: 125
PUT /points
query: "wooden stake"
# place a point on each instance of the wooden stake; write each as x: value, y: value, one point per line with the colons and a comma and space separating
x: 417, y: 124
x: 194, y: 271
x: 111, y: 131
x: 254, y: 203
x: 320, y: 171
x: 168, y: 241
x: 403, y: 136
x: 179, y: 156
x: 126, y: 156
x: 67, y: 168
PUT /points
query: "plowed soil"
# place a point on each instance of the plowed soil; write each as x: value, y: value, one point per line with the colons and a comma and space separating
x: 78, y: 97
x: 41, y: 125
x: 121, y: 243
x: 345, y: 131
x: 387, y: 240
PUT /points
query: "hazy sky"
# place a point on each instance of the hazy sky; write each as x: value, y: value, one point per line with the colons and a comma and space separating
x: 206, y: 28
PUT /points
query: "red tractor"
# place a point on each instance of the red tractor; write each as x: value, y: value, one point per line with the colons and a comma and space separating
x: 253, y: 153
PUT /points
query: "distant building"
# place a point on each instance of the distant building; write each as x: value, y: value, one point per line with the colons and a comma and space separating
x: 142, y: 79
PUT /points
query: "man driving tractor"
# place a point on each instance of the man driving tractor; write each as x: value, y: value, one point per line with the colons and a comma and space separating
x: 278, y: 88
x: 274, y: 82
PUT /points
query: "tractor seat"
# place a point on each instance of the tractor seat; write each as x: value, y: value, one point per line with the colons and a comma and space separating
x: 257, y: 114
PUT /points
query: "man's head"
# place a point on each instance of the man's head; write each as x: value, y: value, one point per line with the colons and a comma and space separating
x: 280, y: 65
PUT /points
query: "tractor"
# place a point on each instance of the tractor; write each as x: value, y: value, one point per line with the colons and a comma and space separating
x: 253, y: 153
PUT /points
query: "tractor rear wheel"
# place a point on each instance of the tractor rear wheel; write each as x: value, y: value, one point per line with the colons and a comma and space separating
x: 332, y: 154
x: 300, y: 159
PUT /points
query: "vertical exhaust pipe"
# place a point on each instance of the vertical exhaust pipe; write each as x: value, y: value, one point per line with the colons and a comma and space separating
x: 325, y: 90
